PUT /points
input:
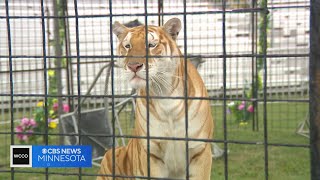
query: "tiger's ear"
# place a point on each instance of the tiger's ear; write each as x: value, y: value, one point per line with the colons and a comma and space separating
x: 119, y: 30
x: 173, y: 27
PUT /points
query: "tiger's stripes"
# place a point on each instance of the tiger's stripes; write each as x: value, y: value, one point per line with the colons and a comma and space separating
x: 166, y: 115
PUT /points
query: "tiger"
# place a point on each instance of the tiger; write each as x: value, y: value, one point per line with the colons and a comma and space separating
x: 166, y: 77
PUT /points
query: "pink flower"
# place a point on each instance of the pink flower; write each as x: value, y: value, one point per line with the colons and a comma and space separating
x: 25, y: 122
x: 55, y: 106
x: 20, y: 136
x: 23, y: 137
x: 28, y: 122
x: 19, y: 128
x: 32, y: 123
x: 250, y: 109
x: 66, y: 108
x: 242, y: 105
x: 26, y: 126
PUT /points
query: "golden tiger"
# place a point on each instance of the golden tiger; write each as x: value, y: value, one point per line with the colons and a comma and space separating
x: 166, y: 75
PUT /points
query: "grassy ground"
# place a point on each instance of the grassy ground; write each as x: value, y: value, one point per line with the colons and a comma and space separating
x: 245, y: 161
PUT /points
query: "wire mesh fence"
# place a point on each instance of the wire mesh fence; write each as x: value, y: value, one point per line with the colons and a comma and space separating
x: 57, y: 60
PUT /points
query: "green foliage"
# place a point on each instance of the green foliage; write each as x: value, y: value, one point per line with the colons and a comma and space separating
x: 263, y: 28
x: 43, y: 116
x: 242, y: 111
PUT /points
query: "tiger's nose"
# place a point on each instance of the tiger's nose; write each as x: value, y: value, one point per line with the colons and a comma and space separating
x: 134, y: 66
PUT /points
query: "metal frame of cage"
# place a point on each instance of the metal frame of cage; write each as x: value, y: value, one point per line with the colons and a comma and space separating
x: 314, y: 89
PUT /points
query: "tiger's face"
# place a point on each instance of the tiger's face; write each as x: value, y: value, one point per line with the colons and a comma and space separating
x: 163, y: 54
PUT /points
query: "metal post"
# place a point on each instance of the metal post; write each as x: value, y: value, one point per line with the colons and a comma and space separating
x: 67, y: 53
x: 57, y: 62
x: 160, y: 11
x: 254, y: 82
x: 315, y: 88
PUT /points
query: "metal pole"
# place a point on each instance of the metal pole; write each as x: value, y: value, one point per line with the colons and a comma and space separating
x: 315, y: 88
x: 254, y: 82
x: 57, y: 62
x: 160, y: 11
x: 68, y: 53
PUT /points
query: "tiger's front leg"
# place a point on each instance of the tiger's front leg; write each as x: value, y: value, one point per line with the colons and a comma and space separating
x: 200, y: 164
x: 158, y: 168
x: 199, y: 167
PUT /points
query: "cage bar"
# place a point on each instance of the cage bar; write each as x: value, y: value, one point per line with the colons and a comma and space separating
x: 315, y: 89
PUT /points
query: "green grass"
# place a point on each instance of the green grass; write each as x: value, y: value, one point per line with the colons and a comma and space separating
x: 245, y: 161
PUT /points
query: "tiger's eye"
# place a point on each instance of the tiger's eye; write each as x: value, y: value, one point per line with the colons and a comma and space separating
x: 152, y: 45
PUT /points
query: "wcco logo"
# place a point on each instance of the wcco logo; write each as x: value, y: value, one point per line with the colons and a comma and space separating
x: 20, y: 156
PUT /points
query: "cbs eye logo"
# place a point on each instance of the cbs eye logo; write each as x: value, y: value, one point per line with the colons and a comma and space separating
x: 20, y: 156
